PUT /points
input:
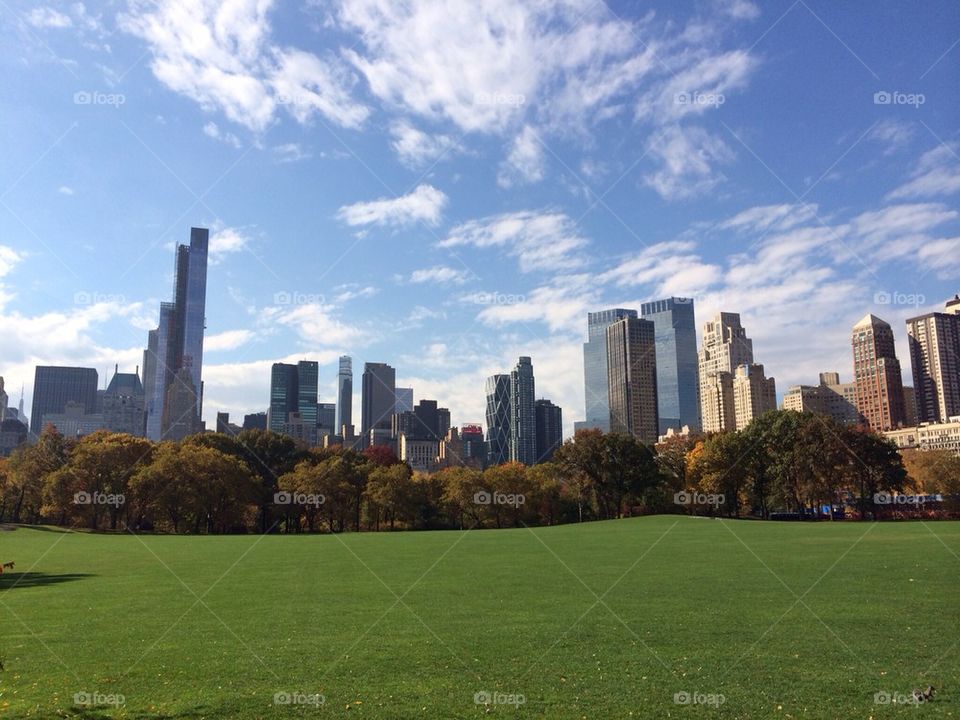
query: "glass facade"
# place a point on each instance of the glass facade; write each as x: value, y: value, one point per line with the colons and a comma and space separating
x: 498, y: 419
x: 678, y: 385
x: 378, y: 398
x: 344, y: 393
x: 597, y: 406
x: 523, y: 420
x: 54, y: 387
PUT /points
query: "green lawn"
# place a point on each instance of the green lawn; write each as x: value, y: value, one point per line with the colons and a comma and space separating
x: 781, y: 619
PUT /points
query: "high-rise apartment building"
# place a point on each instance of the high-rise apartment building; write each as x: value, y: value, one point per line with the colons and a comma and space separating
x: 344, y: 393
x: 934, y: 341
x: 726, y: 348
x: 596, y: 392
x: 876, y: 374
x: 54, y: 387
x: 498, y: 419
x: 523, y: 421
x: 378, y: 401
x: 549, y: 419
x: 124, y: 404
x: 632, y: 378
x: 678, y: 387
x: 832, y: 398
x: 177, y: 344
x: 753, y: 394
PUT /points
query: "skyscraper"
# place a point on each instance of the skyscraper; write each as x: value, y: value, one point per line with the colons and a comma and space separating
x: 498, y: 419
x: 549, y: 420
x: 4, y: 398
x: 177, y: 344
x: 523, y: 420
x: 378, y: 401
x: 596, y: 393
x: 632, y: 378
x: 726, y: 347
x: 876, y: 374
x: 54, y: 387
x: 344, y: 393
x: 678, y: 396
x: 934, y: 341
x: 293, y: 400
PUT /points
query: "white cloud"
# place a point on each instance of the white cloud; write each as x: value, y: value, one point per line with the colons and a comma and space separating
x: 416, y: 148
x: 936, y: 173
x: 316, y: 324
x: 423, y: 204
x: 228, y: 340
x: 290, y: 152
x: 8, y: 258
x: 440, y: 275
x: 65, y: 190
x: 46, y: 17
x: 211, y: 130
x: 766, y: 218
x: 740, y: 9
x: 525, y: 162
x: 346, y: 293
x: 892, y: 134
x: 220, y: 56
x: 668, y: 268
x: 562, y: 305
x: 226, y: 241
x: 687, y: 158
x: 539, y: 240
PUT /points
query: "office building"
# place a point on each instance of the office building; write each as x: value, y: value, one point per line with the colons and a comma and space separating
x: 377, y: 402
x: 344, y: 394
x: 678, y: 386
x: 549, y: 422
x: 934, y: 342
x: 596, y: 393
x: 55, y: 387
x: 523, y: 420
x: 4, y: 399
x: 474, y: 445
x: 404, y: 401
x: 632, y: 379
x: 293, y: 400
x: 498, y: 419
x: 876, y: 375
x: 326, y: 419
x: 255, y: 421
x: 13, y: 434
x: 74, y: 421
x: 173, y: 361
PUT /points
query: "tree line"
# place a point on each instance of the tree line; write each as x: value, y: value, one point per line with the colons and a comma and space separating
x: 258, y: 481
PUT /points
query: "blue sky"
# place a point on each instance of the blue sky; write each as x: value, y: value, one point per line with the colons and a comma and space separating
x: 446, y: 186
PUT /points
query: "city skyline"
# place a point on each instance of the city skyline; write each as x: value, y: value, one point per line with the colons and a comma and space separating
x: 356, y: 207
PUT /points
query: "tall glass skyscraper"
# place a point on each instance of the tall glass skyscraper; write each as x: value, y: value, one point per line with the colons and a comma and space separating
x: 678, y: 386
x: 595, y: 367
x: 523, y: 418
x: 177, y: 344
x: 378, y: 398
x: 344, y: 393
x: 498, y: 419
x: 293, y: 389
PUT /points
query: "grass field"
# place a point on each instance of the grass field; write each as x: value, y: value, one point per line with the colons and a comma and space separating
x: 604, y: 620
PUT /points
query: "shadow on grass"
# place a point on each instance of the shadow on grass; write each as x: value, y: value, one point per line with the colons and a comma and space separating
x: 14, y: 580
x: 200, y: 711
